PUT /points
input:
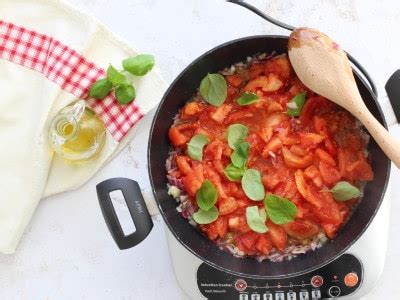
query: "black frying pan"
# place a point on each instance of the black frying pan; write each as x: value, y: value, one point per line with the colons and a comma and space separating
x: 181, y: 90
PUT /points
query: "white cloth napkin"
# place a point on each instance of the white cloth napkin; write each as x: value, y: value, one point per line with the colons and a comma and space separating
x: 28, y: 101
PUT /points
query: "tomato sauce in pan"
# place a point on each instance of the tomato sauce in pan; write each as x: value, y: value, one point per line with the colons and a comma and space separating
x: 299, y: 158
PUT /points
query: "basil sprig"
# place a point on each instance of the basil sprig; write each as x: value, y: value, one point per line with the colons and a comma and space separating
x: 100, y: 88
x: 343, y: 191
x: 125, y: 93
x: 280, y: 210
x: 116, y: 81
x: 236, y: 169
x: 296, y: 104
x: 235, y: 134
x: 206, y: 217
x: 139, y: 65
x: 234, y: 173
x: 240, y: 155
x: 247, y: 98
x: 214, y: 89
x: 256, y: 220
x: 252, y: 185
x: 196, y: 145
x: 207, y: 195
x: 115, y: 77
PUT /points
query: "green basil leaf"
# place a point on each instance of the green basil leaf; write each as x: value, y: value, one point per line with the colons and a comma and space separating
x: 235, y: 134
x: 100, y: 89
x: 196, y: 145
x: 207, y: 195
x: 233, y: 173
x: 125, y: 93
x: 247, y: 98
x: 263, y: 214
x: 139, y: 65
x: 213, y: 88
x: 280, y: 210
x: 252, y: 185
x: 115, y: 77
x: 254, y: 219
x: 343, y: 191
x: 240, y: 155
x: 296, y: 104
x: 206, y: 216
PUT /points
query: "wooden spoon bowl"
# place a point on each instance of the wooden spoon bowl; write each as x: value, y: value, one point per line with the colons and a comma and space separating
x: 323, y: 67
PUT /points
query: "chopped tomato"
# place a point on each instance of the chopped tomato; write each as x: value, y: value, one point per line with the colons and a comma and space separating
x: 329, y: 174
x: 264, y: 244
x: 176, y: 137
x: 266, y: 134
x: 360, y: 170
x: 221, y: 226
x: 279, y: 66
x: 183, y: 164
x: 191, y: 109
x: 273, y: 145
x: 238, y: 224
x: 274, y: 106
x: 193, y: 180
x: 256, y: 69
x: 314, y: 197
x: 227, y: 205
x: 300, y: 183
x: 309, y: 109
x: 301, y: 229
x: 234, y: 80
x: 310, y: 139
x: 321, y: 127
x: 211, y: 230
x: 344, y: 160
x: 215, y: 178
x: 295, y: 161
x: 221, y: 112
x: 249, y: 239
x: 325, y: 157
x: 286, y: 189
x: 278, y: 235
x: 270, y: 83
x: 314, y: 175
x: 270, y: 181
x: 330, y: 229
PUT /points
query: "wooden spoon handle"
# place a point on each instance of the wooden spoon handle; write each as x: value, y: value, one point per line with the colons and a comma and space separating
x: 385, y: 140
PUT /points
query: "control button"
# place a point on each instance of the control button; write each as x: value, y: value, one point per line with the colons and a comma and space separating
x: 255, y: 297
x: 267, y: 296
x: 243, y: 297
x: 315, y: 294
x: 351, y: 279
x: 291, y: 296
x: 334, y: 291
x: 240, y: 285
x: 304, y: 295
x: 279, y: 296
x: 317, y: 281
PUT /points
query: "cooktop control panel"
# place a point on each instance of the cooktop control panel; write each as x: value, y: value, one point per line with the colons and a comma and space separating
x: 339, y: 278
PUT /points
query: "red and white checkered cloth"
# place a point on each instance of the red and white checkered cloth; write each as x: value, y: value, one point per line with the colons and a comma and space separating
x: 67, y: 68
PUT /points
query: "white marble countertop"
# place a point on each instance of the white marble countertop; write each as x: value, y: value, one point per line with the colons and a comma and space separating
x: 67, y: 251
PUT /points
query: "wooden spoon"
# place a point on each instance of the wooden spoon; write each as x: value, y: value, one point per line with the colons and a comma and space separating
x: 324, y: 68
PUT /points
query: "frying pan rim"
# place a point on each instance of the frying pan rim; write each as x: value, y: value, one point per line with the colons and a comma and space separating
x: 205, y: 260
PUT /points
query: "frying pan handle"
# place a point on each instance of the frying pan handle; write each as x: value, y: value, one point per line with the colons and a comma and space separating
x: 136, y: 206
x: 393, y: 91
x: 291, y: 28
